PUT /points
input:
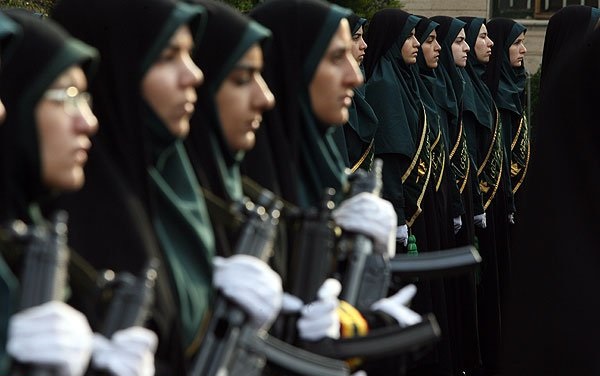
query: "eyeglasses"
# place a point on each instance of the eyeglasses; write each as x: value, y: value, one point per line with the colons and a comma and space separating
x: 73, y: 100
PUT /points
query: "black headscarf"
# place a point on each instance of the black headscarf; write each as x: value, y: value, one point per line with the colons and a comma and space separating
x: 505, y: 82
x: 553, y: 313
x: 447, y: 70
x: 227, y: 37
x: 140, y: 184
x: 482, y: 128
x: 477, y: 99
x: 565, y: 32
x: 435, y: 87
x: 362, y: 120
x: 44, y: 51
x: 298, y: 148
x: 391, y: 83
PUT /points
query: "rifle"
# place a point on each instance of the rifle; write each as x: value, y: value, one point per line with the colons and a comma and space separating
x: 44, y: 273
x: 227, y: 330
x: 314, y: 257
x: 132, y: 299
x: 367, y: 274
x: 312, y: 261
x: 224, y: 330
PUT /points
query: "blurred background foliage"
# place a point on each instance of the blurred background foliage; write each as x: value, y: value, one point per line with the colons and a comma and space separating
x: 364, y: 8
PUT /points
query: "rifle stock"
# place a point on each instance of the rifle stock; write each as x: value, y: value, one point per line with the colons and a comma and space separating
x: 436, y: 264
x: 382, y: 342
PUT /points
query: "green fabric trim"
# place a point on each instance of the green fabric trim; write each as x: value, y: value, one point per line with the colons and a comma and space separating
x: 8, y: 30
x: 185, y: 234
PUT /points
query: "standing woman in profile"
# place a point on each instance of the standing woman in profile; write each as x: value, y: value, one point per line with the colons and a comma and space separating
x: 142, y: 188
x: 442, y: 186
x: 230, y: 106
x: 484, y: 138
x: 401, y: 140
x: 43, y: 151
x: 356, y: 138
x: 453, y: 59
x: 461, y: 290
x: 43, y: 148
x: 505, y: 76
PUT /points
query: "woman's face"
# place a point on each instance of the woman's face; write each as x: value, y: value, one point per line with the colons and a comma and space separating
x: 431, y: 50
x: 242, y: 98
x: 483, y: 45
x: 65, y: 123
x: 517, y: 51
x: 169, y: 86
x: 337, y: 74
x: 460, y: 49
x: 410, y: 48
x: 359, y: 45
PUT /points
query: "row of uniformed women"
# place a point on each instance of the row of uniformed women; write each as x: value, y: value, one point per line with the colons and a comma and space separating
x: 457, y: 116
x: 454, y: 141
x: 142, y: 198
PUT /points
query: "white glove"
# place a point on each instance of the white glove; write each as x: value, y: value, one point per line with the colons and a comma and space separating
x: 480, y: 220
x: 359, y: 373
x: 129, y: 352
x: 252, y: 284
x: 402, y: 235
x: 457, y: 222
x: 53, y: 334
x: 396, y: 306
x: 320, y: 319
x: 370, y: 215
x: 511, y: 218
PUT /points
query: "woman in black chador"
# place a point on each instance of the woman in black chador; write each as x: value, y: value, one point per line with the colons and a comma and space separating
x: 505, y: 76
x: 446, y: 85
x: 484, y: 138
x: 552, y: 317
x: 402, y: 139
x: 566, y: 31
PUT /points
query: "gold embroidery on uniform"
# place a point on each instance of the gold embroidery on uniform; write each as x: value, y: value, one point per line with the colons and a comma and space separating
x: 362, y: 157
